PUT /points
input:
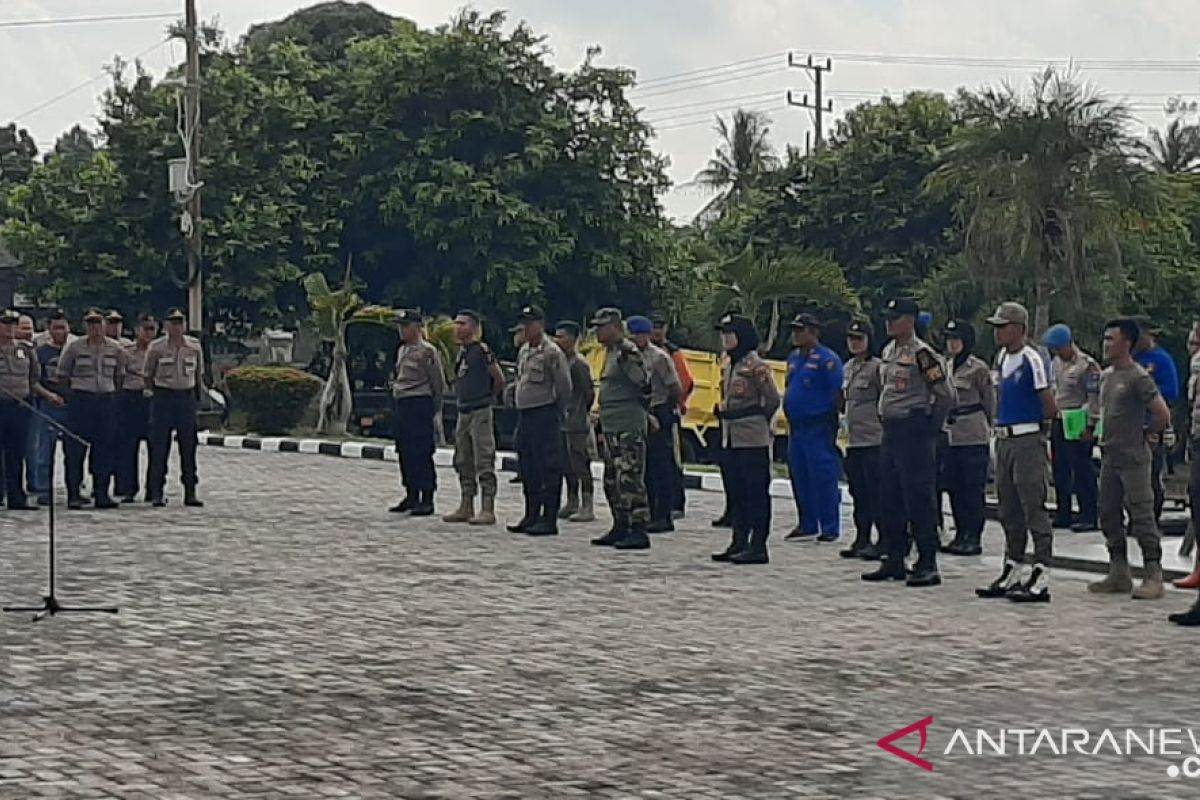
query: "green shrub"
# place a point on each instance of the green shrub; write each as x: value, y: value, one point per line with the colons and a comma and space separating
x: 273, y: 398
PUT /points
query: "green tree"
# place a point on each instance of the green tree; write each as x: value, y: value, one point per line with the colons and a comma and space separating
x: 1037, y: 177
x: 743, y: 158
x: 1177, y: 150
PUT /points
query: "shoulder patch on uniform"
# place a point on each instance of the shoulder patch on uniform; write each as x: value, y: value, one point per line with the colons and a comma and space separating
x: 930, y: 367
x: 830, y: 365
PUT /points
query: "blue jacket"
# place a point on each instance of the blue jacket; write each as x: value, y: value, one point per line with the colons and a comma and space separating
x: 1161, y: 366
x: 813, y: 382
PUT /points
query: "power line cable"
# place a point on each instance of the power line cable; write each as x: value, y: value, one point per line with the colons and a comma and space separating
x: 56, y: 21
x: 716, y: 100
x: 762, y: 73
x: 714, y: 68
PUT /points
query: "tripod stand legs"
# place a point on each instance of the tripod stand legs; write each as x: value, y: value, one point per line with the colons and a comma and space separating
x: 50, y: 606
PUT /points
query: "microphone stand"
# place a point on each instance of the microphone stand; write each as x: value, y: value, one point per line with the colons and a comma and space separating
x: 50, y: 605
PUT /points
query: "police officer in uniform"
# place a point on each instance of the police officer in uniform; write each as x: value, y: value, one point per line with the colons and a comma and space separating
x: 1076, y: 378
x: 748, y: 404
x: 915, y: 401
x: 811, y: 399
x: 542, y: 395
x: 624, y: 424
x: 93, y: 369
x: 133, y: 412
x: 113, y: 328
x: 20, y: 376
x: 665, y: 392
x: 578, y: 438
x: 478, y: 384
x: 418, y: 386
x: 687, y: 382
x: 173, y: 380
x: 48, y: 353
x: 860, y: 402
x: 968, y: 431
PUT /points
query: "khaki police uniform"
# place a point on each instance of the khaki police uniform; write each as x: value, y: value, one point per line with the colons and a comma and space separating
x: 749, y: 401
x: 861, y: 387
x: 133, y: 423
x: 173, y: 375
x: 418, y: 387
x: 92, y: 373
x: 19, y: 373
x: 1076, y: 386
x: 542, y: 396
x: 915, y: 400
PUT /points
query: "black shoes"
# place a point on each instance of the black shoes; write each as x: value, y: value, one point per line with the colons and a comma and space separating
x: 924, y: 575
x: 661, y: 526
x: 519, y: 527
x: 634, y: 539
x: 423, y: 504
x: 722, y: 521
x: 74, y: 503
x: 758, y: 556
x: 403, y: 506
x: 158, y: 501
x: 736, y: 546
x: 546, y: 526
x: 1085, y: 526
x: 965, y: 546
x: 1010, y: 578
x: 106, y: 503
x: 616, y: 534
x: 24, y: 506
x: 798, y: 535
x: 1188, y: 619
x: 191, y: 501
x: 886, y: 572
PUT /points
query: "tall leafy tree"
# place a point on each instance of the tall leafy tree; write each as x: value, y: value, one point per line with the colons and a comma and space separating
x: 1038, y: 176
x: 1176, y: 150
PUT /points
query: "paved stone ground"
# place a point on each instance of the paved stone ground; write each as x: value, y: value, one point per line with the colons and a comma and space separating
x: 290, y: 641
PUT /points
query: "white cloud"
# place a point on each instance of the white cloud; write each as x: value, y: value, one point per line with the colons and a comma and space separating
x: 667, y: 36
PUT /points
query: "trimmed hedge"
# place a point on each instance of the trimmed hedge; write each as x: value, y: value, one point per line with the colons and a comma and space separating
x: 274, y: 398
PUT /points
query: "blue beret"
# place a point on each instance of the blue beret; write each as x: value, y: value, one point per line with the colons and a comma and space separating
x: 639, y: 325
x: 1058, y: 336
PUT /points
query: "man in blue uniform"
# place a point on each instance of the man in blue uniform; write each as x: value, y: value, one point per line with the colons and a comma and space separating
x: 1150, y: 356
x: 1026, y: 403
x: 814, y: 388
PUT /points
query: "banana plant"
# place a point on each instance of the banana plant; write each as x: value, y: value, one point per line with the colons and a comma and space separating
x: 332, y: 313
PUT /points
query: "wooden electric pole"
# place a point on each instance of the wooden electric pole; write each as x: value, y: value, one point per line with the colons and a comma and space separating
x: 819, y: 105
x: 192, y: 135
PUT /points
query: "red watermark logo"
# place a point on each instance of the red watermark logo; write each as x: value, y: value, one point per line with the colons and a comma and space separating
x: 920, y: 727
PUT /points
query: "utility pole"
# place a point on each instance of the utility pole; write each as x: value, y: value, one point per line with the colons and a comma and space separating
x: 192, y: 146
x: 819, y: 105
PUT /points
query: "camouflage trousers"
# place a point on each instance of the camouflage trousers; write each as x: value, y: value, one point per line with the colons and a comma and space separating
x: 625, y: 477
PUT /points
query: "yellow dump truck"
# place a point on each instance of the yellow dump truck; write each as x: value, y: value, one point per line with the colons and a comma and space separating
x: 699, y: 433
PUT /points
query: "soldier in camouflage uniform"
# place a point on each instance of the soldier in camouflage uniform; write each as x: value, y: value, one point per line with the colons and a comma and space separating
x: 624, y: 421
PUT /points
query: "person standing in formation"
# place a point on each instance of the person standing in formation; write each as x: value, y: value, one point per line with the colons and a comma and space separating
x: 1026, y: 402
x: 93, y: 369
x: 20, y: 380
x: 914, y: 403
x: 860, y: 403
x: 578, y: 438
x: 749, y: 402
x: 542, y: 394
x: 478, y: 384
x: 54, y: 408
x: 665, y: 391
x: 114, y: 328
x: 1153, y: 358
x: 968, y: 428
x: 1076, y: 388
x: 173, y: 380
x: 624, y: 424
x: 133, y: 413
x: 418, y: 387
x: 1133, y: 416
x: 688, y: 385
x: 811, y: 399
x: 1191, y: 617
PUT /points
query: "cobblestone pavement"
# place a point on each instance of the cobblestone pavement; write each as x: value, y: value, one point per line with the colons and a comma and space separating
x: 291, y: 641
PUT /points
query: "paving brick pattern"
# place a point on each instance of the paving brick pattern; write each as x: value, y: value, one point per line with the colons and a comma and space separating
x: 294, y: 640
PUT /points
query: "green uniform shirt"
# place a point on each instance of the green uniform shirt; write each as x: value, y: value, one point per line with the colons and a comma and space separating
x: 624, y: 388
x: 1125, y: 397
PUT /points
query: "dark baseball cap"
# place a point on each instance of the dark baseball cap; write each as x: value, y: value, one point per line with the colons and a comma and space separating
x: 409, y: 316
x: 858, y: 328
x: 901, y: 307
x: 532, y: 313
x: 806, y: 321
x: 952, y: 329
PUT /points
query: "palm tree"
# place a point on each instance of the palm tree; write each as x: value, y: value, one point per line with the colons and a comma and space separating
x: 744, y: 155
x: 759, y: 285
x: 1177, y: 151
x: 1038, y: 177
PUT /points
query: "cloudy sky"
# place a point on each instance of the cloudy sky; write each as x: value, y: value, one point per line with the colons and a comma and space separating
x: 732, y: 53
